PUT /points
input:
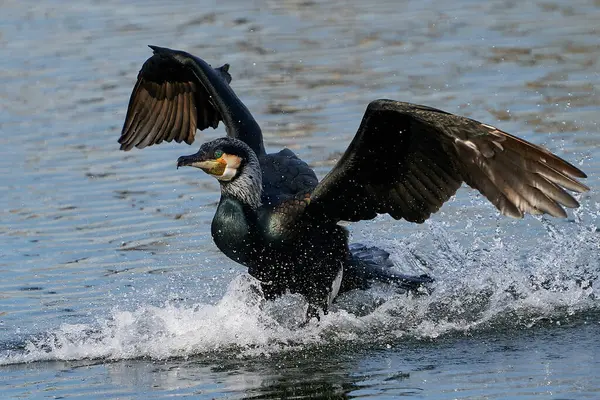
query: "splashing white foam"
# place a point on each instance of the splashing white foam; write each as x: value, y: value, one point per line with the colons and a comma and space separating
x: 480, y: 286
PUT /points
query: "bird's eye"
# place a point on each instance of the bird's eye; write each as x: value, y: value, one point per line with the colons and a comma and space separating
x: 218, y: 153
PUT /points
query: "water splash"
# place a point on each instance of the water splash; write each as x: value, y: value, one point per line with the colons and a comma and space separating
x: 481, y: 285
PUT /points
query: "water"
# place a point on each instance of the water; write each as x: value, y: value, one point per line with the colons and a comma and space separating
x: 111, y: 286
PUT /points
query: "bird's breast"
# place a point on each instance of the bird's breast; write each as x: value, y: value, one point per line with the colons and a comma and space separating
x: 231, y: 231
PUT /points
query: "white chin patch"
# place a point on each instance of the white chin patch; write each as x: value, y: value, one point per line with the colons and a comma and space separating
x: 231, y: 170
x: 228, y: 174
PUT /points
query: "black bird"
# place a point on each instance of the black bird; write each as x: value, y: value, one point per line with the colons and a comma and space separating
x: 278, y: 220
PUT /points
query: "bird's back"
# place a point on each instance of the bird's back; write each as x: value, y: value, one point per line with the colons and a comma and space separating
x: 285, y: 176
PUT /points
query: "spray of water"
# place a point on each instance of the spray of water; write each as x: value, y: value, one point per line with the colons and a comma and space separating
x: 482, y: 284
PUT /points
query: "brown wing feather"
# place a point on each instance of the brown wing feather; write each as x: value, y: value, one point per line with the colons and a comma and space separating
x: 529, y: 176
x: 168, y: 103
x: 407, y: 160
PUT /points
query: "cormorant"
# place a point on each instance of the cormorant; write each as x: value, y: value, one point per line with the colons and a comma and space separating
x: 278, y: 220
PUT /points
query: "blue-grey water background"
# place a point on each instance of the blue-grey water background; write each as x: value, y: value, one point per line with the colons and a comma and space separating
x: 110, y: 285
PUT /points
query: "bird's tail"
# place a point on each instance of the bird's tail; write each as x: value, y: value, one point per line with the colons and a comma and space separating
x: 368, y: 265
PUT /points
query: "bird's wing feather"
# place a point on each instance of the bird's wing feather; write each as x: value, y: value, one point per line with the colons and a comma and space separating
x: 406, y: 160
x: 168, y: 103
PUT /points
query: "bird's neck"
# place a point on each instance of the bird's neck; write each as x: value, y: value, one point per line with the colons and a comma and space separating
x: 247, y: 187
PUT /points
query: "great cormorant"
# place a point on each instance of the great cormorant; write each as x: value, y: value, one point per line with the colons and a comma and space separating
x: 278, y: 220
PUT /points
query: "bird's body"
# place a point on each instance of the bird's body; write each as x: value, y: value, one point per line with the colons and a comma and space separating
x: 277, y: 219
x: 264, y: 230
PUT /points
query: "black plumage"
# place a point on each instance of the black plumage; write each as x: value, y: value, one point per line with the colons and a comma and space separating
x: 274, y: 216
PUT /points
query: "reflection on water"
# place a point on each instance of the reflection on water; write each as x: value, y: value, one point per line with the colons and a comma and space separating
x: 107, y: 255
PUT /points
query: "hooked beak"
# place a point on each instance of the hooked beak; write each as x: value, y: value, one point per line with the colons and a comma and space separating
x: 186, y: 161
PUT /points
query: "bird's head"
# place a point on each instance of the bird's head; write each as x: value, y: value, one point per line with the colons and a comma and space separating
x: 234, y: 164
x: 223, y: 158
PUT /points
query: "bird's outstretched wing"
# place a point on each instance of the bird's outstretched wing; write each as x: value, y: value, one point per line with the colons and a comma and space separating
x: 406, y: 160
x: 176, y: 94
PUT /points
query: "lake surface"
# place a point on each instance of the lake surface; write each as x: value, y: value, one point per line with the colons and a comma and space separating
x: 111, y: 286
